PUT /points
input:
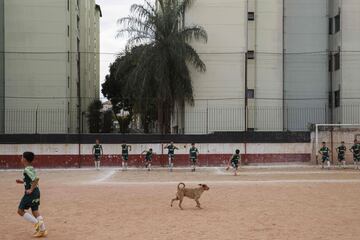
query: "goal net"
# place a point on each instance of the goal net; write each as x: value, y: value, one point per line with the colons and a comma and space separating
x: 333, y: 135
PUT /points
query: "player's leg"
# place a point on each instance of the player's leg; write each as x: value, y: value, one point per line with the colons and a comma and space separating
x: 170, y: 162
x: 40, y: 219
x: 123, y: 162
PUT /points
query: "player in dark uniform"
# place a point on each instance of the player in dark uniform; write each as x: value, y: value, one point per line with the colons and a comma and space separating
x: 125, y: 155
x: 234, y: 161
x: 31, y: 198
x: 148, y: 158
x: 193, y: 154
x: 325, y: 155
x: 341, y: 150
x: 97, y: 151
x: 171, y: 154
x: 355, y: 149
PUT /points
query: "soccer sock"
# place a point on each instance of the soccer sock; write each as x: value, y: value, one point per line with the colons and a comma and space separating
x: 328, y: 163
x: 30, y: 218
x: 99, y: 164
x: 42, y: 226
x: 95, y: 164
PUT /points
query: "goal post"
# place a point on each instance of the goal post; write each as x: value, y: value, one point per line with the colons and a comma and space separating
x: 352, y: 131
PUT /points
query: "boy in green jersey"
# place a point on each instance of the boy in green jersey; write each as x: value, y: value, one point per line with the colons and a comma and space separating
x: 97, y: 151
x: 193, y: 155
x: 341, y: 150
x: 148, y: 158
x: 125, y: 155
x: 325, y: 155
x: 171, y: 154
x: 355, y: 149
x: 31, y: 198
x: 234, y: 161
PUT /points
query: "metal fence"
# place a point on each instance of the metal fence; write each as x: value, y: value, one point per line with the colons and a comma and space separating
x: 195, y: 121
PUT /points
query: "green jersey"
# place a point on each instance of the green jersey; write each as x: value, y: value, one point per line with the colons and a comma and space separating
x: 356, y: 149
x: 324, y: 151
x: 148, y: 155
x: 97, y: 149
x: 171, y: 149
x: 341, y: 150
x: 29, y: 177
x: 235, y: 158
x: 193, y: 152
x: 125, y: 149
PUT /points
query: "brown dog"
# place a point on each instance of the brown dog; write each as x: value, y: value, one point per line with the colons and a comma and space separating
x: 193, y: 193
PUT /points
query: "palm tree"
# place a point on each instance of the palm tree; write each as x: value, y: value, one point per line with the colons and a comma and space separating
x: 163, y: 67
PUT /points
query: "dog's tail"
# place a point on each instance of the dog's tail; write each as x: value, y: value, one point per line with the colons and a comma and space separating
x: 181, y: 184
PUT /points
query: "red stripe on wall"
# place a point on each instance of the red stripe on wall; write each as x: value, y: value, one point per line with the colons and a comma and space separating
x: 76, y: 161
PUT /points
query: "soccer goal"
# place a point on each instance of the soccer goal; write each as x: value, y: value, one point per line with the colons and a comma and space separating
x: 333, y: 135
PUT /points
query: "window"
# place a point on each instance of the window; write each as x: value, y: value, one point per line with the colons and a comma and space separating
x: 337, y: 23
x: 68, y: 5
x: 251, y: 16
x: 330, y: 26
x: 68, y: 82
x: 250, y: 93
x: 337, y: 98
x: 337, y: 61
x: 250, y: 54
x: 68, y: 31
x: 330, y: 63
x: 330, y: 100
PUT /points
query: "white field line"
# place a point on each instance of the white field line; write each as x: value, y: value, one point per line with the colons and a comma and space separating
x: 104, y: 178
x: 239, y: 182
x: 220, y: 171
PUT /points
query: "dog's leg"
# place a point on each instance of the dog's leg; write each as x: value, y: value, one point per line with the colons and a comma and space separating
x: 197, y: 203
x: 172, y: 200
x: 181, y: 199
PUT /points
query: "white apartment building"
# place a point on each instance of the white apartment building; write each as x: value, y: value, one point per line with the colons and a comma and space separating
x: 50, y: 66
x: 268, y: 65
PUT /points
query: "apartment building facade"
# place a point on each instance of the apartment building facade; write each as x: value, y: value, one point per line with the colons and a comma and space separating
x: 273, y: 65
x: 50, y: 64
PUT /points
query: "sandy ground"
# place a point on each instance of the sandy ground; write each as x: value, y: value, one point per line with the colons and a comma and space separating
x: 275, y: 203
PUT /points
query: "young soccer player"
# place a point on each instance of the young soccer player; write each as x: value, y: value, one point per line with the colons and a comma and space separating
x: 125, y: 155
x: 325, y: 153
x: 234, y: 161
x: 97, y: 151
x: 355, y: 149
x: 31, y: 198
x: 341, y: 150
x: 148, y: 158
x: 171, y: 154
x: 193, y: 154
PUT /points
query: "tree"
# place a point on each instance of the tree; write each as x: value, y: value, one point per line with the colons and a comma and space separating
x: 162, y: 70
x: 107, y: 126
x: 94, y: 116
x: 124, y: 95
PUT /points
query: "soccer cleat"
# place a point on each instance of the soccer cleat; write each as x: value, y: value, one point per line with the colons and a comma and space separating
x: 37, y: 226
x: 40, y: 234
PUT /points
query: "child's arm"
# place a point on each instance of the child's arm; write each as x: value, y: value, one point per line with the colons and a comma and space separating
x: 19, y: 181
x: 175, y: 147
x: 102, y: 152
x: 129, y: 147
x: 34, y: 184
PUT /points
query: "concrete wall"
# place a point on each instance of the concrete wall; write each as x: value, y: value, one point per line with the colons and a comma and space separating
x: 221, y: 88
x: 306, y: 75
x: 2, y: 69
x: 41, y: 40
x: 74, y: 155
x: 35, y: 62
x: 269, y: 78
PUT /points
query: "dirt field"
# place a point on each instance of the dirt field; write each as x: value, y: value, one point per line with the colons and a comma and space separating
x: 275, y: 203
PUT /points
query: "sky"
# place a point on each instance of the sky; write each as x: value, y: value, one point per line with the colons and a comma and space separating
x: 112, y: 10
